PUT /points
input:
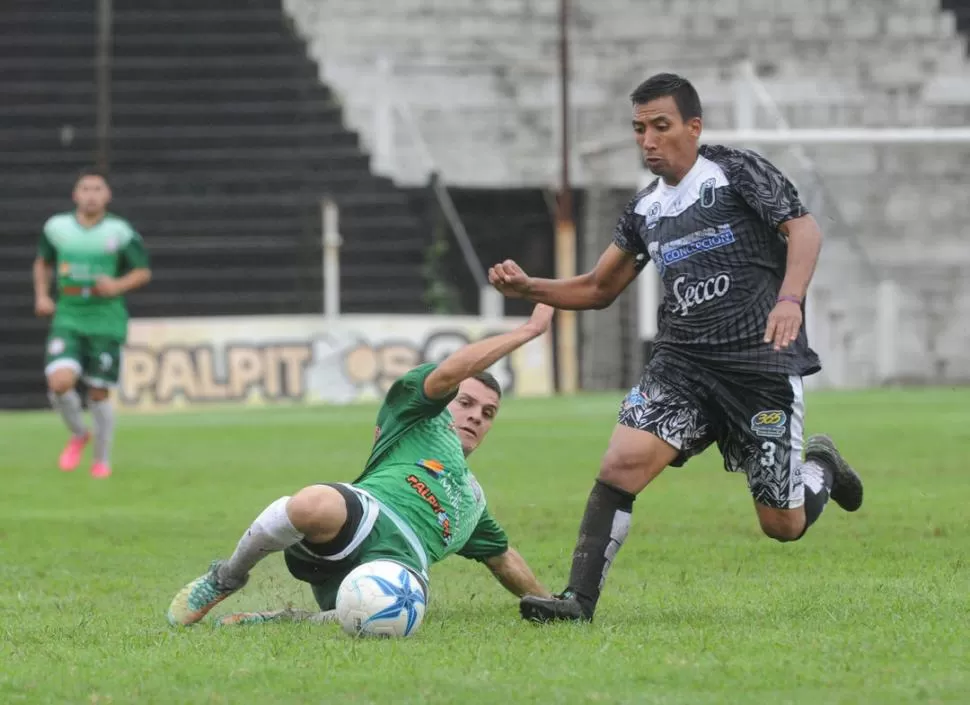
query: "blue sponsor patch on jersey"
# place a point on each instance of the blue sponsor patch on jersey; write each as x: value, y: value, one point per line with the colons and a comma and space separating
x: 701, y: 241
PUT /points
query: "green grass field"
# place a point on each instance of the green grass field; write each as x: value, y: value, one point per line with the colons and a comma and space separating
x: 699, y: 608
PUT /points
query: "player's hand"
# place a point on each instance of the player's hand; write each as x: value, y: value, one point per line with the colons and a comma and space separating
x: 44, y: 306
x: 106, y: 287
x: 784, y: 322
x: 509, y: 279
x: 541, y: 319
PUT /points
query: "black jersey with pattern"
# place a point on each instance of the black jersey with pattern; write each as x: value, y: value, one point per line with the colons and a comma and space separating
x: 715, y: 240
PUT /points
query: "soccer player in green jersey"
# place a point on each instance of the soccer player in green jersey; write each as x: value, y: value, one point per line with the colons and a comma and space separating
x: 415, y: 503
x: 95, y: 259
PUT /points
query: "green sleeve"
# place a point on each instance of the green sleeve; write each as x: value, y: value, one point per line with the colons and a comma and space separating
x: 487, y: 541
x: 134, y: 255
x: 406, y: 399
x: 45, y: 250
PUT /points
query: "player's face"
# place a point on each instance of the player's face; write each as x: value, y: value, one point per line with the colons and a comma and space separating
x: 667, y: 143
x: 92, y: 195
x: 473, y: 410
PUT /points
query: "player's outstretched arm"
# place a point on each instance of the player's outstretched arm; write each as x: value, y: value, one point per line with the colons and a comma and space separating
x: 595, y: 289
x: 515, y: 575
x: 479, y: 356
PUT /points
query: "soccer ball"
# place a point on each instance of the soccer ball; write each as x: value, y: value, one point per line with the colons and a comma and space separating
x: 380, y: 598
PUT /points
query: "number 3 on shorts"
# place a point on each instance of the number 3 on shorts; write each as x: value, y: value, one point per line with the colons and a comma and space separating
x: 767, y: 454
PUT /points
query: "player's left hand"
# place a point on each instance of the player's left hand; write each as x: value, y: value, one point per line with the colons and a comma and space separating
x: 784, y: 322
x: 541, y: 319
x: 106, y: 287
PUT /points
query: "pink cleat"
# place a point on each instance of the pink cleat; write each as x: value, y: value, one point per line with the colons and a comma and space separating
x: 100, y: 470
x: 71, y: 455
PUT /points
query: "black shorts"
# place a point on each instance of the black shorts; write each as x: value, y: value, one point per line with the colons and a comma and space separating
x: 367, y: 535
x: 756, y: 419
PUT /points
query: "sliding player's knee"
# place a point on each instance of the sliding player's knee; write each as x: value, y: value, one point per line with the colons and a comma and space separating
x: 782, y: 524
x: 318, y: 512
x: 61, y: 381
x: 97, y: 395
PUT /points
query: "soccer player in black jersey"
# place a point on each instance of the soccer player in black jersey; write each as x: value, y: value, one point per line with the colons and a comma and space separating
x: 736, y: 251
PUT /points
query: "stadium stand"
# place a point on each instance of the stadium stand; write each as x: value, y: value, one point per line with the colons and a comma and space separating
x: 223, y: 142
x: 493, y: 64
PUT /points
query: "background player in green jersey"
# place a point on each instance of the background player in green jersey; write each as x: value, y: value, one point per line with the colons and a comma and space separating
x: 415, y: 503
x: 95, y: 259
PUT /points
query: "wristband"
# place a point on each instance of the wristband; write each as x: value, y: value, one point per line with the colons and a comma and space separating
x: 790, y: 299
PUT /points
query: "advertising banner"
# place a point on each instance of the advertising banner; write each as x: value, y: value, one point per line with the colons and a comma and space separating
x: 191, y: 362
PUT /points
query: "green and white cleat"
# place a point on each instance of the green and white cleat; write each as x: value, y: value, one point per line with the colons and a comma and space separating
x: 275, y: 616
x: 194, y: 601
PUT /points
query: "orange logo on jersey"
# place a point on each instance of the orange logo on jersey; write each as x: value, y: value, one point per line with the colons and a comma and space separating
x: 435, y: 467
x: 64, y: 268
x: 425, y: 492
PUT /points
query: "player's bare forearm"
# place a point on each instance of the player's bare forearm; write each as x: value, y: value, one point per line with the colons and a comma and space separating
x: 42, y: 278
x: 135, y: 279
x: 596, y: 289
x: 515, y: 575
x: 573, y: 294
x: 804, y: 245
x: 479, y: 356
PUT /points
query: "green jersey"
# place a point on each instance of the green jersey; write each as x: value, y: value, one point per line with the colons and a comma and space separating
x: 80, y: 255
x: 418, y: 469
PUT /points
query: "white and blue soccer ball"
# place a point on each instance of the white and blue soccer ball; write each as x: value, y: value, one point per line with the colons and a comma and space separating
x: 381, y: 598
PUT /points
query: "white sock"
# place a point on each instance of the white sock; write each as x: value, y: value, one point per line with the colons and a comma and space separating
x: 814, y: 477
x: 68, y: 405
x: 271, y: 532
x: 103, y: 414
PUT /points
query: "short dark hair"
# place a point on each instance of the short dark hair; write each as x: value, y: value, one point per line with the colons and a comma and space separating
x: 670, y: 84
x: 488, y: 379
x: 92, y: 171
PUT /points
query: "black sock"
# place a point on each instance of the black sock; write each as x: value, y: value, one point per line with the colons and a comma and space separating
x: 818, y: 484
x: 605, y: 525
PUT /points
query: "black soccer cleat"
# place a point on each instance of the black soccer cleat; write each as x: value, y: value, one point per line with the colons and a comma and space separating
x: 846, y: 484
x: 559, y: 608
